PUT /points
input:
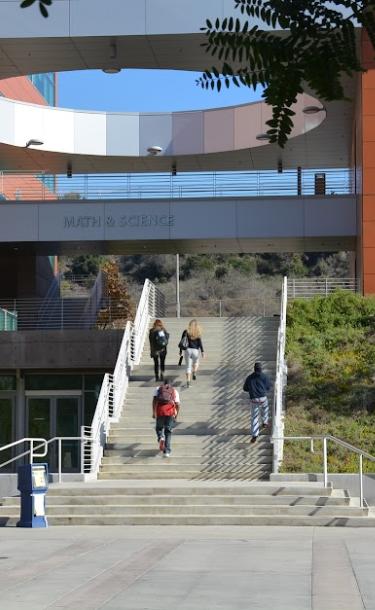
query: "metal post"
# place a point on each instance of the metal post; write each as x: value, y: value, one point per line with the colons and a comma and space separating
x: 31, y: 451
x: 361, y: 480
x: 178, y: 305
x: 325, y: 467
x: 326, y: 286
x: 299, y: 181
x: 312, y: 450
x: 59, y: 458
x: 220, y: 309
x: 82, y: 450
x: 62, y: 314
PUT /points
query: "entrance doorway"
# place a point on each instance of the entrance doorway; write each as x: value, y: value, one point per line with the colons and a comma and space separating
x: 7, y: 417
x: 54, y: 416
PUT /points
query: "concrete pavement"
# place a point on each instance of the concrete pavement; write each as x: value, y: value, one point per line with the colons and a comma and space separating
x: 187, y: 568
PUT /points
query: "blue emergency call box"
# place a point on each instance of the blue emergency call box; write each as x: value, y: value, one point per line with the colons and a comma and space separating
x: 33, y: 485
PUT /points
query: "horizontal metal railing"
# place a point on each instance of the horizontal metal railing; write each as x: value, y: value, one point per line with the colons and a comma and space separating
x: 337, y: 441
x: 184, y: 185
x: 63, y: 313
x: 253, y: 305
x: 322, y: 286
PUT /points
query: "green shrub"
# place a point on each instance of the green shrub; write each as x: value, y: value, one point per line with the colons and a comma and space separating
x: 331, y: 360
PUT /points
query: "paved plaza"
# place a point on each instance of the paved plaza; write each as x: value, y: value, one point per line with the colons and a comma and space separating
x: 187, y: 568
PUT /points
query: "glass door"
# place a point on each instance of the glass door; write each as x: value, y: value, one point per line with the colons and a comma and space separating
x: 40, y: 422
x: 56, y: 416
x: 68, y: 424
x: 6, y: 429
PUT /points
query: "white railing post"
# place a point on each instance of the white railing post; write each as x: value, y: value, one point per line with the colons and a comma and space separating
x: 83, y: 443
x: 361, y: 480
x: 280, y: 382
x: 325, y: 462
x: 59, y: 442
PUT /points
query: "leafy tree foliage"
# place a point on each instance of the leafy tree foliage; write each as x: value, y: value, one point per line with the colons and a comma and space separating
x: 317, y: 47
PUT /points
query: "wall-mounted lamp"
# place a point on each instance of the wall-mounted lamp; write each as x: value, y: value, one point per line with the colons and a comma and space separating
x: 112, y: 68
x: 69, y: 171
x: 174, y: 169
x: 263, y: 137
x: 313, y: 109
x: 279, y: 167
x: 33, y: 143
x: 154, y: 150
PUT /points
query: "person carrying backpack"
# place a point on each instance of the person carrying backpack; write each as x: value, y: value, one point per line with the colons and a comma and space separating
x: 165, y: 408
x: 158, y: 338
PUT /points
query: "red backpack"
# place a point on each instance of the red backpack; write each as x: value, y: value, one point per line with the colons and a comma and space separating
x: 166, y: 402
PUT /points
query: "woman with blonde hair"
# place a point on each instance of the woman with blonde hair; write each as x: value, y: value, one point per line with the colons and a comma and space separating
x: 191, y: 344
x: 158, y: 338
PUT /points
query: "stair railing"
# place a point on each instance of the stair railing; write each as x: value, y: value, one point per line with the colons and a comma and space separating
x: 113, y: 390
x: 338, y: 441
x: 280, y: 383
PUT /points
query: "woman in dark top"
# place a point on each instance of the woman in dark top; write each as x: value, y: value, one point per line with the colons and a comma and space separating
x: 158, y: 338
x: 191, y: 343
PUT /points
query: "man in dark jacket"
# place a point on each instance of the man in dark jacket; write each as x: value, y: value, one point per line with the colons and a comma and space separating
x: 258, y: 384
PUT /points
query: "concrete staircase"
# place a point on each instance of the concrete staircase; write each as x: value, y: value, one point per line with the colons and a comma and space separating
x: 211, y: 438
x: 214, y: 476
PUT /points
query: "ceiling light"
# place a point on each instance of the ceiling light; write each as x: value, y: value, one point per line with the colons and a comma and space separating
x: 111, y: 70
x: 154, y: 150
x: 34, y: 143
x: 312, y: 109
x: 262, y: 137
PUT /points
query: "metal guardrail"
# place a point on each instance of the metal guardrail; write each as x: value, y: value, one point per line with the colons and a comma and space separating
x: 280, y: 381
x: 338, y: 441
x: 322, y: 286
x: 180, y: 186
x: 61, y: 313
x: 253, y: 305
x: 8, y: 319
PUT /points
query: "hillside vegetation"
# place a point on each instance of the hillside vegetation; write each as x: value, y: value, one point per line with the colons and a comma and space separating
x: 331, y: 374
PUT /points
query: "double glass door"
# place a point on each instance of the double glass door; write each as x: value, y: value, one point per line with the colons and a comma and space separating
x: 57, y: 416
x: 6, y: 429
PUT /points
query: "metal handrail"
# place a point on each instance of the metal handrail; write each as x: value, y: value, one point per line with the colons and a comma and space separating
x: 280, y: 380
x: 329, y: 437
x: 183, y: 185
x: 31, y: 452
x: 322, y: 286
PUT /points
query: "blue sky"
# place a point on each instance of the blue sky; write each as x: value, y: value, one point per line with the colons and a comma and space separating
x: 143, y: 91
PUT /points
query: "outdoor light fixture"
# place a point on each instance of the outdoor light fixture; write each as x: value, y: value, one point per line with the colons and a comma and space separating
x: 313, y: 109
x: 263, y: 137
x: 34, y: 143
x: 154, y: 150
x: 174, y: 169
x: 279, y: 167
x: 69, y: 170
x: 112, y: 69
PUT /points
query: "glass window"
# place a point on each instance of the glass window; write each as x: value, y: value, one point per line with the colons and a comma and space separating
x: 94, y: 383
x: 90, y: 401
x: 45, y: 83
x: 53, y: 382
x: 7, y: 383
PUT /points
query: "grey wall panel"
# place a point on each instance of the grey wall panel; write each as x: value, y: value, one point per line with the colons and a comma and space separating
x: 24, y: 23
x: 274, y: 217
x: 18, y: 223
x: 187, y: 133
x: 185, y: 18
x: 123, y: 134
x: 155, y: 130
x: 339, y: 217
x: 108, y: 18
x: 198, y: 219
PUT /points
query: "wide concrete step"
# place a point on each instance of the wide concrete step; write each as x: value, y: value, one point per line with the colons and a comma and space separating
x: 185, y: 441
x: 184, y: 520
x: 160, y: 510
x: 191, y: 500
x: 117, y: 460
x: 160, y: 461
x: 185, y: 488
x: 257, y: 472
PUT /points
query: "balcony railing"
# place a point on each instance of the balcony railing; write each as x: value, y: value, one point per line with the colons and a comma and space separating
x: 289, y: 183
x: 322, y: 286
